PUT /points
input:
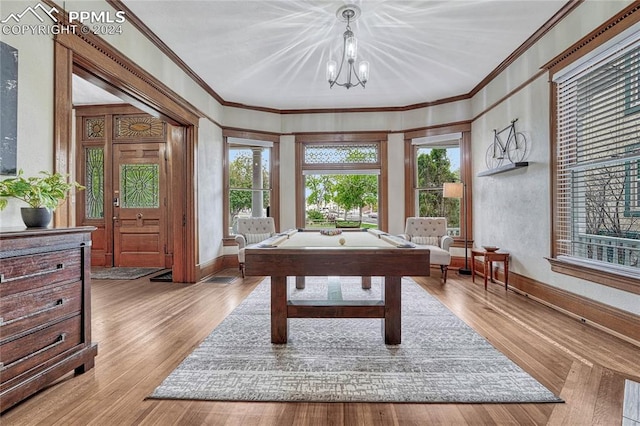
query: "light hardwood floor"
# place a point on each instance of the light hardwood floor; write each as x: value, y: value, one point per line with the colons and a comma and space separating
x: 145, y: 329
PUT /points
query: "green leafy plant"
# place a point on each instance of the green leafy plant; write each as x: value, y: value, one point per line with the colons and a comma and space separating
x: 46, y: 190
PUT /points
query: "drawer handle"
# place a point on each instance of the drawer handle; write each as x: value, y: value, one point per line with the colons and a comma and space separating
x: 60, y: 339
x: 55, y: 305
x: 58, y: 267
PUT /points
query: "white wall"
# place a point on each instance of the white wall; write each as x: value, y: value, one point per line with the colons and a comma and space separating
x: 210, y: 190
x: 287, y: 182
x: 395, y: 190
x: 35, y: 106
x: 379, y: 121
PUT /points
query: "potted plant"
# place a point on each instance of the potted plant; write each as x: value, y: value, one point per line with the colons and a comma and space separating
x: 42, y: 193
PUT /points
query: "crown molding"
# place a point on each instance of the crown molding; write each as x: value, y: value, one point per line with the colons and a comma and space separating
x: 146, y: 31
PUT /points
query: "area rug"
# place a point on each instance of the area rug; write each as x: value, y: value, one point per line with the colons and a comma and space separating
x: 440, y: 359
x: 128, y: 273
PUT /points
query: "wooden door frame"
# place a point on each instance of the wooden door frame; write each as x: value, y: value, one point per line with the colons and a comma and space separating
x: 109, y: 69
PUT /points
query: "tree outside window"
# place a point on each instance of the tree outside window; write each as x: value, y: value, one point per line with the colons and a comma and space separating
x: 348, y: 198
x: 434, y: 167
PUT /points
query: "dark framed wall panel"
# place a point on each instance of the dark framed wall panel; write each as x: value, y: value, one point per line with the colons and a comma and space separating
x: 9, y: 110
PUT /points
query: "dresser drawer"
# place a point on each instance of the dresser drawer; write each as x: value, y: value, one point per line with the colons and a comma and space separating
x: 27, y: 272
x: 24, y: 311
x: 33, y: 350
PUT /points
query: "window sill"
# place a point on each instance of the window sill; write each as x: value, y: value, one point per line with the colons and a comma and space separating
x: 588, y: 271
x: 229, y: 241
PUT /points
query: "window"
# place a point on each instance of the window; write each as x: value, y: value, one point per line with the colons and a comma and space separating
x: 436, y: 160
x: 250, y: 177
x: 597, y: 218
x: 94, y: 182
x: 340, y: 182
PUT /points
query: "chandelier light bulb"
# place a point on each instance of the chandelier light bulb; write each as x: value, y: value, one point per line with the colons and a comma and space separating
x: 363, y: 71
x: 351, y: 48
x: 332, y: 70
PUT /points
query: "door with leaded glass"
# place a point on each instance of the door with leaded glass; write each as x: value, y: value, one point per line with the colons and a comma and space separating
x: 139, y: 213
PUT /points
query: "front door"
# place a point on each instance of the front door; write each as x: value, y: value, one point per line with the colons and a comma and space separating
x: 139, y: 204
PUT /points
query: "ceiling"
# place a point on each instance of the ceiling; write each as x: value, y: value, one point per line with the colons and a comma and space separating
x: 272, y: 54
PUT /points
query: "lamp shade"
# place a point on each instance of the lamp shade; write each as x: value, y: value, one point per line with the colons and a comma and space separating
x: 453, y: 190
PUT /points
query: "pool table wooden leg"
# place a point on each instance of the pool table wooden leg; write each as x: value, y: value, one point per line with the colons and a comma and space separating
x: 279, y: 320
x: 391, y: 324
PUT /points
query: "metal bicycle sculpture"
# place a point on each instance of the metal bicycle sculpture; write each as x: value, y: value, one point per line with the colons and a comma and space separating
x: 514, y: 149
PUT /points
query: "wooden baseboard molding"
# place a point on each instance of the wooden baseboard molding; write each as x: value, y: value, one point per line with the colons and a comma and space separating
x: 619, y: 323
x: 458, y: 262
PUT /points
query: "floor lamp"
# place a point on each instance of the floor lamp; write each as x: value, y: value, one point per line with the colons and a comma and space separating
x: 458, y: 190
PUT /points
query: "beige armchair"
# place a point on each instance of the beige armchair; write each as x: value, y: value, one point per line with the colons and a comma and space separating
x: 431, y: 233
x: 251, y: 231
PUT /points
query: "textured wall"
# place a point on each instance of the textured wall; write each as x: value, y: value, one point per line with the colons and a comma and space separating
x: 513, y: 210
x: 35, y: 106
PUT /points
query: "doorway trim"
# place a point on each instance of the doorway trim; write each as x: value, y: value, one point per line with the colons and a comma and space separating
x: 112, y: 71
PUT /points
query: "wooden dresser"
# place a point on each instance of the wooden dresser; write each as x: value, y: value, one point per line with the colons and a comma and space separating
x: 45, y: 308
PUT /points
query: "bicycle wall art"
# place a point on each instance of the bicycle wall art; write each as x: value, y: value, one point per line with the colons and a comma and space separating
x: 514, y: 148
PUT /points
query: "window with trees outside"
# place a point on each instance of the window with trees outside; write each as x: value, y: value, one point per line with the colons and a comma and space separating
x: 597, y: 216
x: 436, y: 160
x: 341, y: 183
x: 249, y: 174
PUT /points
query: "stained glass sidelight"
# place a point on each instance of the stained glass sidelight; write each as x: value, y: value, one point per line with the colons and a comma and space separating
x: 341, y: 154
x: 94, y: 183
x: 139, y: 185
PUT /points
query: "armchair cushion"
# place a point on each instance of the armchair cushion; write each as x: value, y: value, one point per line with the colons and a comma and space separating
x: 432, y: 241
x: 256, y: 238
x: 256, y: 225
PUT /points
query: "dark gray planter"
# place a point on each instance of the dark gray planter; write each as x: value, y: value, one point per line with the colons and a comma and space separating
x: 33, y: 217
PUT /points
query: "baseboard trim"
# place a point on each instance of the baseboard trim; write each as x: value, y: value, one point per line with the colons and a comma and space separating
x: 616, y: 322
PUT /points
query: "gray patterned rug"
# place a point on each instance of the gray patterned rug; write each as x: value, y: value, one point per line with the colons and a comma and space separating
x: 441, y: 359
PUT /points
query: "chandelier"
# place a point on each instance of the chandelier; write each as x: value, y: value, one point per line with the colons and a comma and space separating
x: 348, y: 13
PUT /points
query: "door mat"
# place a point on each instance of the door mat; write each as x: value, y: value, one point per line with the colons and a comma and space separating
x: 121, y: 273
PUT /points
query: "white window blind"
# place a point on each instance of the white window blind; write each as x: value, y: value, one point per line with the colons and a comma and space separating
x: 598, y: 162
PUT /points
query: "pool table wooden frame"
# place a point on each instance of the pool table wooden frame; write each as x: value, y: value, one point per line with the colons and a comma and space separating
x: 391, y: 263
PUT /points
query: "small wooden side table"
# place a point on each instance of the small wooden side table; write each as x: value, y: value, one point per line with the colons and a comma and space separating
x: 489, y: 258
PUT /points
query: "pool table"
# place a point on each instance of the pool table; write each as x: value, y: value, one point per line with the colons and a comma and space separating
x: 362, y: 253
